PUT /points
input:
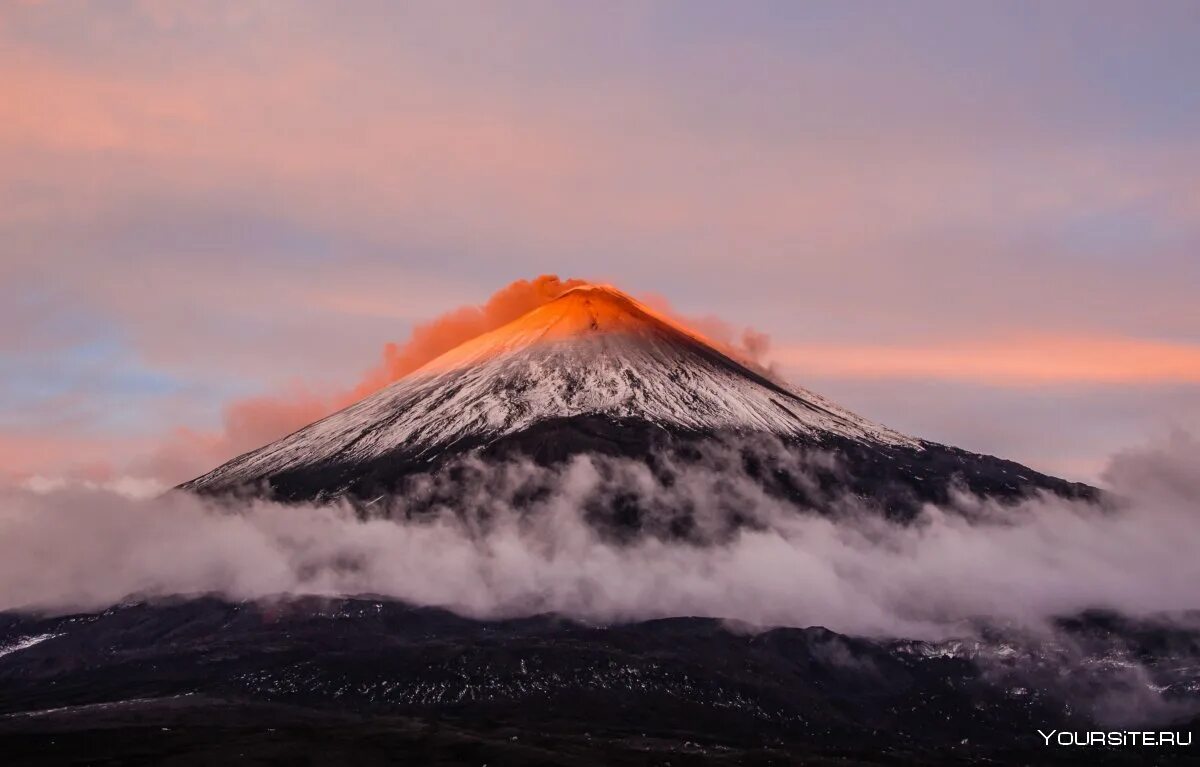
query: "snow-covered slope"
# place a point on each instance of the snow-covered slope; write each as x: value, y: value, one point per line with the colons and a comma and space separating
x: 592, y: 351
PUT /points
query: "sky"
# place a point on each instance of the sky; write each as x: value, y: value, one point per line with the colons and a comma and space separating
x: 976, y: 223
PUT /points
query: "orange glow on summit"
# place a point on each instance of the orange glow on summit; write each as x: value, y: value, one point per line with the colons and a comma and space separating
x: 456, y: 334
x: 438, y: 336
x: 581, y: 310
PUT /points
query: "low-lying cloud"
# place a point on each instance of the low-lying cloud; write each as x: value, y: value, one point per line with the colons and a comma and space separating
x: 515, y: 541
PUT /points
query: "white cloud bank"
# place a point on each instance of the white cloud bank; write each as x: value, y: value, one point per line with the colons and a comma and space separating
x: 78, y: 547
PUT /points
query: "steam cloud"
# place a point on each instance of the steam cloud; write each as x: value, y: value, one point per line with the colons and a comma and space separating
x: 251, y: 422
x: 498, y: 553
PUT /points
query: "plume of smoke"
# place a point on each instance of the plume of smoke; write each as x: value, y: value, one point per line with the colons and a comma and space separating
x: 251, y: 422
x: 743, y: 343
x: 254, y: 421
x: 434, y: 338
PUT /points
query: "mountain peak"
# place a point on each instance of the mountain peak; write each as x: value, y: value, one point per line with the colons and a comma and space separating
x: 579, y: 312
x: 593, y: 352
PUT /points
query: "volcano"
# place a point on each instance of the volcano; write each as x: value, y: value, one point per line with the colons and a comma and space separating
x: 596, y: 372
x: 592, y: 375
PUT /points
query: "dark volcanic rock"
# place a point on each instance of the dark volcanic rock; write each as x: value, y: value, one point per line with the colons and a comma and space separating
x: 430, y: 684
x: 895, y: 478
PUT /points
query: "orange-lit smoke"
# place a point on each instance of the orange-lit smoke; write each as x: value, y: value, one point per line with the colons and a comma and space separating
x: 440, y: 335
x: 252, y: 422
x: 255, y: 421
x: 745, y: 344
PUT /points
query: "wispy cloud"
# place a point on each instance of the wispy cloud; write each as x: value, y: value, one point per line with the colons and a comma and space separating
x: 1032, y: 360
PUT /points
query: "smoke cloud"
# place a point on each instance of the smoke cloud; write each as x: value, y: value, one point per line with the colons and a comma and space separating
x: 251, y: 422
x: 516, y: 539
x: 255, y: 421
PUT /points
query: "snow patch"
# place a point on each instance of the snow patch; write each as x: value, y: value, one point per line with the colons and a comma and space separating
x: 24, y: 643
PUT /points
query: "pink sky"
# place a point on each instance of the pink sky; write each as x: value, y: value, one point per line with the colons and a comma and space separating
x: 976, y: 224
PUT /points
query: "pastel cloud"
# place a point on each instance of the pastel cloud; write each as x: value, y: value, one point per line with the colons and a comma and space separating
x: 259, y: 199
x: 1034, y: 361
